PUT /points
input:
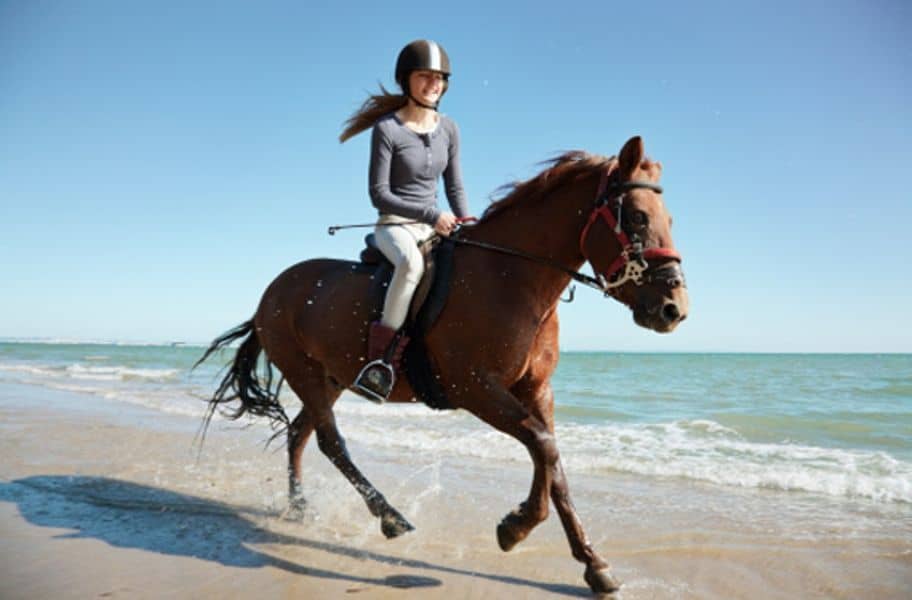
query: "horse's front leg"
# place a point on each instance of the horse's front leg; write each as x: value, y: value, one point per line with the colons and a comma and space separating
x: 597, y: 574
x: 517, y: 524
x: 539, y: 397
x: 499, y: 408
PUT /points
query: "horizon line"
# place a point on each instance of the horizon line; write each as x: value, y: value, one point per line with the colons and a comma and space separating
x: 66, y: 341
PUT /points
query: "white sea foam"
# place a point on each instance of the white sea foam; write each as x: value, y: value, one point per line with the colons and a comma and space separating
x: 79, y: 371
x: 679, y: 449
x: 699, y: 450
x: 34, y: 370
x: 119, y: 373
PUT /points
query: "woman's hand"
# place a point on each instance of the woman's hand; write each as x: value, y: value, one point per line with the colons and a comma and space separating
x: 445, y: 223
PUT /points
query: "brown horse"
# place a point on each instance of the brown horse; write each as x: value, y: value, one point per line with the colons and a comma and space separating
x: 494, y: 345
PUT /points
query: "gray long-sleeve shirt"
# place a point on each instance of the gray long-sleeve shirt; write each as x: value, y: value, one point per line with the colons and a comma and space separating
x: 405, y: 167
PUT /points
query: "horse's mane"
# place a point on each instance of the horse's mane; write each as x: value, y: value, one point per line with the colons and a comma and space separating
x: 559, y: 171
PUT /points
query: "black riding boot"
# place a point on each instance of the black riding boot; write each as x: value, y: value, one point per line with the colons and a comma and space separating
x: 384, y: 352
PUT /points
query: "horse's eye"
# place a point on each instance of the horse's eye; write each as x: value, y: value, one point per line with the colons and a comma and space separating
x: 638, y: 218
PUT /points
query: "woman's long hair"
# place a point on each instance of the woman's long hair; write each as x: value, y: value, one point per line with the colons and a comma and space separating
x: 373, y: 108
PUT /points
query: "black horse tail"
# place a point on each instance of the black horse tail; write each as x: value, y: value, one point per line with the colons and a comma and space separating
x: 243, y: 383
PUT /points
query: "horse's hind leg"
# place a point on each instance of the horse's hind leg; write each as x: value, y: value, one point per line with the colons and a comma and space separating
x: 298, y: 433
x: 392, y: 523
x: 307, y: 378
x: 309, y: 381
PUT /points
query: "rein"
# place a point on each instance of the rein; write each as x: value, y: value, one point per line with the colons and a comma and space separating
x: 633, y: 257
x: 575, y: 275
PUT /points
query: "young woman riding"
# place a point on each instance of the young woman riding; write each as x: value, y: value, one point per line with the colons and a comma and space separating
x: 412, y: 145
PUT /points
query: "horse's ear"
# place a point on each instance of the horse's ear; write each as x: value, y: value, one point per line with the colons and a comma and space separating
x: 657, y: 169
x: 631, y: 155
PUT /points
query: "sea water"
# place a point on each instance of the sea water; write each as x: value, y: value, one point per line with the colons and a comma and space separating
x: 837, y: 426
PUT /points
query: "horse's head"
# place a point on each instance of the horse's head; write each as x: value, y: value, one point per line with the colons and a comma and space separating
x: 627, y: 240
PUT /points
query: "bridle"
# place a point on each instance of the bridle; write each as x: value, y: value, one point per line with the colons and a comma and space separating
x: 633, y: 259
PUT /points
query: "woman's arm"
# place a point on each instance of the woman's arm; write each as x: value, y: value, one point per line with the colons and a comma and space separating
x: 452, y: 176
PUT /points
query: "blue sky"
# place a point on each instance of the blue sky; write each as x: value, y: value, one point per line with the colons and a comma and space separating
x: 161, y: 162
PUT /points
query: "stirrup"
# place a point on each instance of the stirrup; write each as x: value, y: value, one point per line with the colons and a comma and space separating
x: 375, y: 381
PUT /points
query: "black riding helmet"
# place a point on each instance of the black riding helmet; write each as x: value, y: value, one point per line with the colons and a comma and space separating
x: 424, y: 55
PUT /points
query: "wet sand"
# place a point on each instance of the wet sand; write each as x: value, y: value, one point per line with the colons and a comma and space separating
x: 102, y: 499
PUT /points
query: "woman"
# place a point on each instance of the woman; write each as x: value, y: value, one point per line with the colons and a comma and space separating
x: 412, y: 145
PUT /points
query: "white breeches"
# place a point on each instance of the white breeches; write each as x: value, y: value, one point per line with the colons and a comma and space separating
x: 399, y: 244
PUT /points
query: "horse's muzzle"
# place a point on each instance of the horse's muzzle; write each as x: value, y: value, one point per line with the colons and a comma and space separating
x: 671, y: 313
x: 662, y: 316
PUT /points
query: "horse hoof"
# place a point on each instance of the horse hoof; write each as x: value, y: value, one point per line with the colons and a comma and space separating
x: 393, y: 525
x: 294, y: 514
x: 297, y: 509
x: 510, y: 532
x: 601, y: 581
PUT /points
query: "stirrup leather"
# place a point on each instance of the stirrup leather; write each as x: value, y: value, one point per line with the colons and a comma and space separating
x: 375, y: 381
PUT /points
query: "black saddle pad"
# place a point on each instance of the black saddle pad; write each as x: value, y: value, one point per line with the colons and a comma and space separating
x: 419, y: 365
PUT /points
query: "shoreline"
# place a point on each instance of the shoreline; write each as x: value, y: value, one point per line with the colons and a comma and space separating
x: 100, y: 498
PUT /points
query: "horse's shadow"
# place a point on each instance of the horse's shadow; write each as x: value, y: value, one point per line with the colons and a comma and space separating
x: 131, y: 515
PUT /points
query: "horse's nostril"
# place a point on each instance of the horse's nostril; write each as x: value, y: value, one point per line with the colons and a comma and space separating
x: 670, y: 312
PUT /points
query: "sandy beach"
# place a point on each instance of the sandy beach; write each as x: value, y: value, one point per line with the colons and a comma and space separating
x: 106, y: 500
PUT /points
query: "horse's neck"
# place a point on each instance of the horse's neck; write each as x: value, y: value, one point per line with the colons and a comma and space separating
x: 549, y: 228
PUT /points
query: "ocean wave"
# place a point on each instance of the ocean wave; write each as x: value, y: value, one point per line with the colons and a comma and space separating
x: 902, y: 389
x: 78, y: 371
x: 121, y: 373
x: 102, y: 342
x: 712, y: 453
x: 699, y: 450
x: 37, y: 370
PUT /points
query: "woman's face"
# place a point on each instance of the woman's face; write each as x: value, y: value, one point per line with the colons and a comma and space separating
x: 426, y: 86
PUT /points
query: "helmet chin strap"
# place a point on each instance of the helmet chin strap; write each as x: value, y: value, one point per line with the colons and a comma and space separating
x: 421, y: 104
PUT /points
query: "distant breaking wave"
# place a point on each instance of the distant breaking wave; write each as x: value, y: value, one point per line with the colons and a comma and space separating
x: 101, y: 342
x: 100, y: 373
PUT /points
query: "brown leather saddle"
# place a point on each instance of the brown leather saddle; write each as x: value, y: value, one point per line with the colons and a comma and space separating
x: 371, y: 255
x: 427, y: 304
